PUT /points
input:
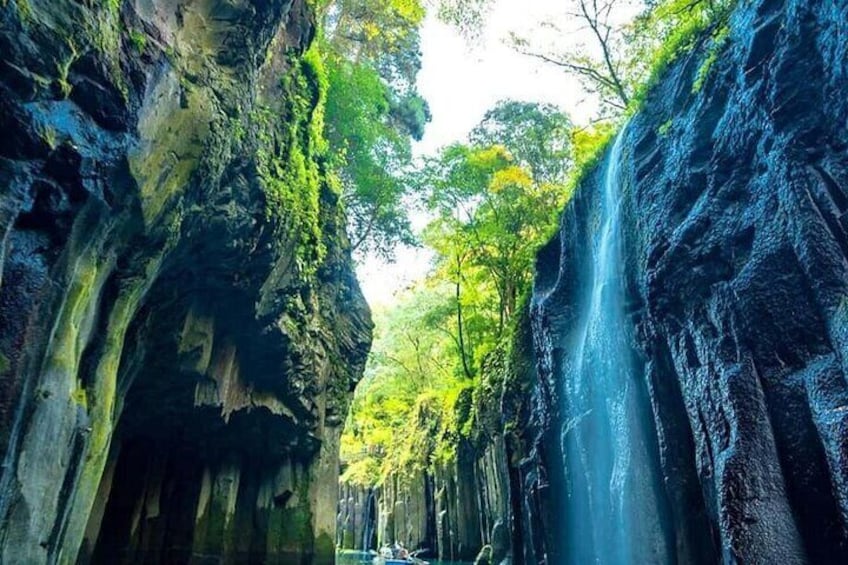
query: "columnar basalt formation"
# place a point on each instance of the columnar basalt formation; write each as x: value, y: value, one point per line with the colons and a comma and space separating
x: 730, y: 193
x: 733, y: 181
x: 451, y: 512
x: 446, y: 506
x: 180, y: 325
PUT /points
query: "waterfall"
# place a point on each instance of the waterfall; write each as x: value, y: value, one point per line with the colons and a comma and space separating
x: 368, y: 526
x: 613, y: 501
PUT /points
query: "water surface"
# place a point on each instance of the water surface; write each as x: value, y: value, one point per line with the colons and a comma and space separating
x: 359, y: 558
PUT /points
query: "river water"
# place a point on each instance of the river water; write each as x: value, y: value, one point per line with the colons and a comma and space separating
x: 359, y: 558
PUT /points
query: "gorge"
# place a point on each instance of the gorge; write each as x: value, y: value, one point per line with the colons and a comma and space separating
x: 182, y: 329
x: 732, y: 185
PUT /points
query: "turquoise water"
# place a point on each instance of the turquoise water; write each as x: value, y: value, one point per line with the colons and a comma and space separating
x: 357, y: 558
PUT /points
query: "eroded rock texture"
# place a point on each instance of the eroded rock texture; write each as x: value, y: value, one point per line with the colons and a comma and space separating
x: 446, y: 507
x: 735, y: 196
x: 180, y: 325
x: 450, y: 511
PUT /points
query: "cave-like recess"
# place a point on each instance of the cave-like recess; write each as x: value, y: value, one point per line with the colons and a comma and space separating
x: 180, y: 324
x: 195, y: 471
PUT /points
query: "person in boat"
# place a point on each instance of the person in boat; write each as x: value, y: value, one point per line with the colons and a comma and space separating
x: 402, y: 553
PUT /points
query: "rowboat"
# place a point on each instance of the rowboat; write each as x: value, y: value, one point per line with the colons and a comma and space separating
x: 396, y: 561
x: 398, y: 555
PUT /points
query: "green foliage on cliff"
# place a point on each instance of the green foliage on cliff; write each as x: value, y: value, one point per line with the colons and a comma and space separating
x: 349, y: 112
x: 373, y: 112
x: 349, y: 109
x: 492, y: 202
x: 665, y: 31
x: 589, y: 145
x: 629, y: 44
x: 23, y: 8
x: 716, y: 42
x: 291, y: 148
x: 138, y: 40
x: 369, y: 151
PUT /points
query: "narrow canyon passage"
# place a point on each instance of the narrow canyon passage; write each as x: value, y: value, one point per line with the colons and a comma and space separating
x: 607, y: 316
x: 674, y: 390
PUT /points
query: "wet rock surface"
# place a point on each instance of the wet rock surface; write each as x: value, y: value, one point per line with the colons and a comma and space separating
x: 450, y: 512
x: 177, y: 357
x: 735, y: 196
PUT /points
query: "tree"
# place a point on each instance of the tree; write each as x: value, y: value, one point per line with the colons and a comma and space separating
x: 630, y: 43
x: 536, y: 135
x: 493, y: 215
x: 492, y: 206
x: 367, y: 150
x: 373, y: 111
x: 369, y: 30
x: 603, y: 72
x: 467, y: 16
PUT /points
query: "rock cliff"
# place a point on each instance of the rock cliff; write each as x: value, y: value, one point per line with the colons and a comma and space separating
x: 733, y: 192
x: 450, y: 512
x: 180, y: 326
x: 449, y: 497
x: 711, y: 423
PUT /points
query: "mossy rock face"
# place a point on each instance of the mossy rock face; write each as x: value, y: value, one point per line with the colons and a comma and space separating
x: 325, y: 550
x: 177, y: 292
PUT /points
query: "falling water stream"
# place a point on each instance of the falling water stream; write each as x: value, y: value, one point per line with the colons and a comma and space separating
x: 612, y: 505
x: 368, y: 527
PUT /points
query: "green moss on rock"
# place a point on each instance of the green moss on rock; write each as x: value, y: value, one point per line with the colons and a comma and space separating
x: 291, y: 156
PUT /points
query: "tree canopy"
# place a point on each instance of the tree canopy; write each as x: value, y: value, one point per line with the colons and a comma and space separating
x: 492, y: 201
x: 373, y: 112
x: 623, y: 56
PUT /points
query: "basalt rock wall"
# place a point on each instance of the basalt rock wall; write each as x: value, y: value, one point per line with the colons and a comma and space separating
x: 734, y: 188
x: 450, y: 511
x: 180, y: 325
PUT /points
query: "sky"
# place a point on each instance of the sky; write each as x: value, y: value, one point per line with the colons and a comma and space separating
x: 460, y: 82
